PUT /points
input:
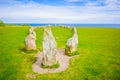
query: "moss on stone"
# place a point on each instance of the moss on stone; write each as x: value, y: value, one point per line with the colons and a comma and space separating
x: 53, y: 66
x: 73, y: 53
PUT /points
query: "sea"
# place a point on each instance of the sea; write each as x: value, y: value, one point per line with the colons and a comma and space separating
x: 71, y: 25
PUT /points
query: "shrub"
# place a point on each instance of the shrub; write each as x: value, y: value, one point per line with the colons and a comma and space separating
x: 2, y: 24
x: 23, y: 24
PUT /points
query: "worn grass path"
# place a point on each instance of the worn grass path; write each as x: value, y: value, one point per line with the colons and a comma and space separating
x: 99, y: 49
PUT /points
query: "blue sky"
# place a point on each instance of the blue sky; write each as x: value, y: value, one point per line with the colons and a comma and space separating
x: 60, y: 11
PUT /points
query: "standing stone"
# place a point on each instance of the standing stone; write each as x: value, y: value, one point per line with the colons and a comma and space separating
x: 72, y: 43
x: 49, y: 48
x: 30, y: 40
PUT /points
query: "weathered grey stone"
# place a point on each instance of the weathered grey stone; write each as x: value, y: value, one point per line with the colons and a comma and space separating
x: 49, y: 48
x: 72, y: 43
x: 30, y: 40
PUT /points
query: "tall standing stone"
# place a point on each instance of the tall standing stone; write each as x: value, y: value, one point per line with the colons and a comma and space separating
x: 49, y: 48
x: 72, y: 43
x: 30, y: 40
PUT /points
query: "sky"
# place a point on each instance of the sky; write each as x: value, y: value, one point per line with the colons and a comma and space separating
x: 60, y: 11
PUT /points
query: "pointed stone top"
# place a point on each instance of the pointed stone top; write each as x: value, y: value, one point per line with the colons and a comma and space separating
x: 74, y: 30
x: 47, y: 30
x: 31, y: 30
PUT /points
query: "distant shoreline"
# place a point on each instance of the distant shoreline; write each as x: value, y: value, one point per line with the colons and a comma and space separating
x: 69, y: 25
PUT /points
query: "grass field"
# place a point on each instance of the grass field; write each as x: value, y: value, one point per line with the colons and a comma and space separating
x: 99, y: 58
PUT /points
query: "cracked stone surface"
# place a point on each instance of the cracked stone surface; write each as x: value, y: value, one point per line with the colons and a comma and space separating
x: 49, y: 48
x: 72, y: 43
x: 30, y: 40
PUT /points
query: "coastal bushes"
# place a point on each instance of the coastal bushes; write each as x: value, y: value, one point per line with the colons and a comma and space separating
x: 2, y: 24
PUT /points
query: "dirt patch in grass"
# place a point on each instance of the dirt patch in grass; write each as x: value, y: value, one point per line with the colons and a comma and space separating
x: 62, y: 59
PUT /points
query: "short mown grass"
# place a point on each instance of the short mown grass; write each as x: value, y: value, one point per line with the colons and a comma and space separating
x: 99, y: 50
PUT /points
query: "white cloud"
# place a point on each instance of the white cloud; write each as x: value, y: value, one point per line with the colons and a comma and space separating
x: 35, y: 12
x: 73, y: 0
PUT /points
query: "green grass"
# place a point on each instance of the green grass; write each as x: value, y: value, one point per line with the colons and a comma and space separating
x: 99, y: 50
